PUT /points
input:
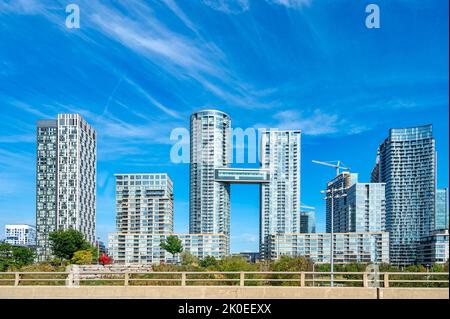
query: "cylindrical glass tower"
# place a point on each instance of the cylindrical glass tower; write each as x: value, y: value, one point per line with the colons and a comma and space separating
x: 210, y: 149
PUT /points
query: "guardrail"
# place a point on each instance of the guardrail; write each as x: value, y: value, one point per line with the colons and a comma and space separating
x: 216, y: 278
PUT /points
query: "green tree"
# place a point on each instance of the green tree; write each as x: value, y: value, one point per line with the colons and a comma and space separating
x: 286, y: 263
x: 6, y: 256
x: 64, y: 243
x: 235, y: 263
x: 82, y: 257
x: 23, y: 256
x: 187, y: 259
x: 208, y: 261
x: 172, y: 245
x: 15, y: 256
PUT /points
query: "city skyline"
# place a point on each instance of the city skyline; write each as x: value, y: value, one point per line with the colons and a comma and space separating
x: 343, y: 97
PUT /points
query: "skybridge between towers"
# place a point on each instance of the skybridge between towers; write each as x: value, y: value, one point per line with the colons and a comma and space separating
x: 241, y: 175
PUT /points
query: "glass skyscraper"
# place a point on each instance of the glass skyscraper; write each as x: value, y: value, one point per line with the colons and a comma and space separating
x: 366, y: 207
x: 360, y: 207
x: 406, y: 163
x: 209, y: 204
x: 339, y: 185
x: 280, y: 198
x: 211, y: 175
x: 65, y: 179
x: 441, y: 215
x: 308, y: 222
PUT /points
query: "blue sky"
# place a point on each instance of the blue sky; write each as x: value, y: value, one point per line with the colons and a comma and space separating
x: 137, y: 69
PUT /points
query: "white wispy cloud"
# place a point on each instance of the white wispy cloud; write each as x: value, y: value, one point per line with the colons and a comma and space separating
x: 228, y: 6
x: 18, y: 138
x: 14, y: 159
x: 109, y: 126
x: 171, y: 4
x: 153, y: 101
x: 21, y: 6
x: 27, y: 108
x: 182, y: 58
x: 291, y: 3
x: 315, y: 123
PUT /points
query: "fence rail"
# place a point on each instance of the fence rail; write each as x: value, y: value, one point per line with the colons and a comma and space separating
x: 217, y: 278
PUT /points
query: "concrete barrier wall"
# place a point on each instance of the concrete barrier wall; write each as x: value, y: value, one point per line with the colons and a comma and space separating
x: 116, y: 292
x: 414, y: 293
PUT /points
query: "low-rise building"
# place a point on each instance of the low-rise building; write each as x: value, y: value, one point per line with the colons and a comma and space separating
x: 20, y: 235
x: 144, y: 206
x: 367, y: 247
x: 434, y: 248
x: 128, y: 248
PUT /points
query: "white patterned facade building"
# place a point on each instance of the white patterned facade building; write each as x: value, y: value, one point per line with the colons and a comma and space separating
x: 65, y: 179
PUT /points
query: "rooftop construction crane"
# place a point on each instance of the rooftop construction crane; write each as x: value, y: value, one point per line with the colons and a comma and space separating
x: 335, y: 164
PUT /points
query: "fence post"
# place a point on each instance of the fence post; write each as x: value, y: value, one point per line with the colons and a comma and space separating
x: 16, y: 279
x: 365, y: 280
x: 386, y: 280
x: 302, y: 279
x: 183, y: 279
x: 242, y: 279
x: 127, y: 278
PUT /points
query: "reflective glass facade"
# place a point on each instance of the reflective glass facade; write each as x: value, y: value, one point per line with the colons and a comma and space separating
x: 441, y: 216
x: 236, y: 175
x: 406, y: 164
x: 339, y: 185
x: 365, y: 208
x: 308, y: 222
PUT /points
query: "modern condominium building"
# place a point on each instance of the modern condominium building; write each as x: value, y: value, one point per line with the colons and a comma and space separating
x: 406, y: 163
x: 280, y: 197
x: 204, y: 245
x: 20, y: 235
x: 434, y: 248
x: 365, y: 208
x: 66, y: 179
x: 211, y: 176
x: 308, y: 222
x: 144, y: 208
x: 337, y: 188
x: 442, y: 208
x: 366, y: 247
x: 144, y: 248
x: 209, y: 204
x: 209, y: 207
